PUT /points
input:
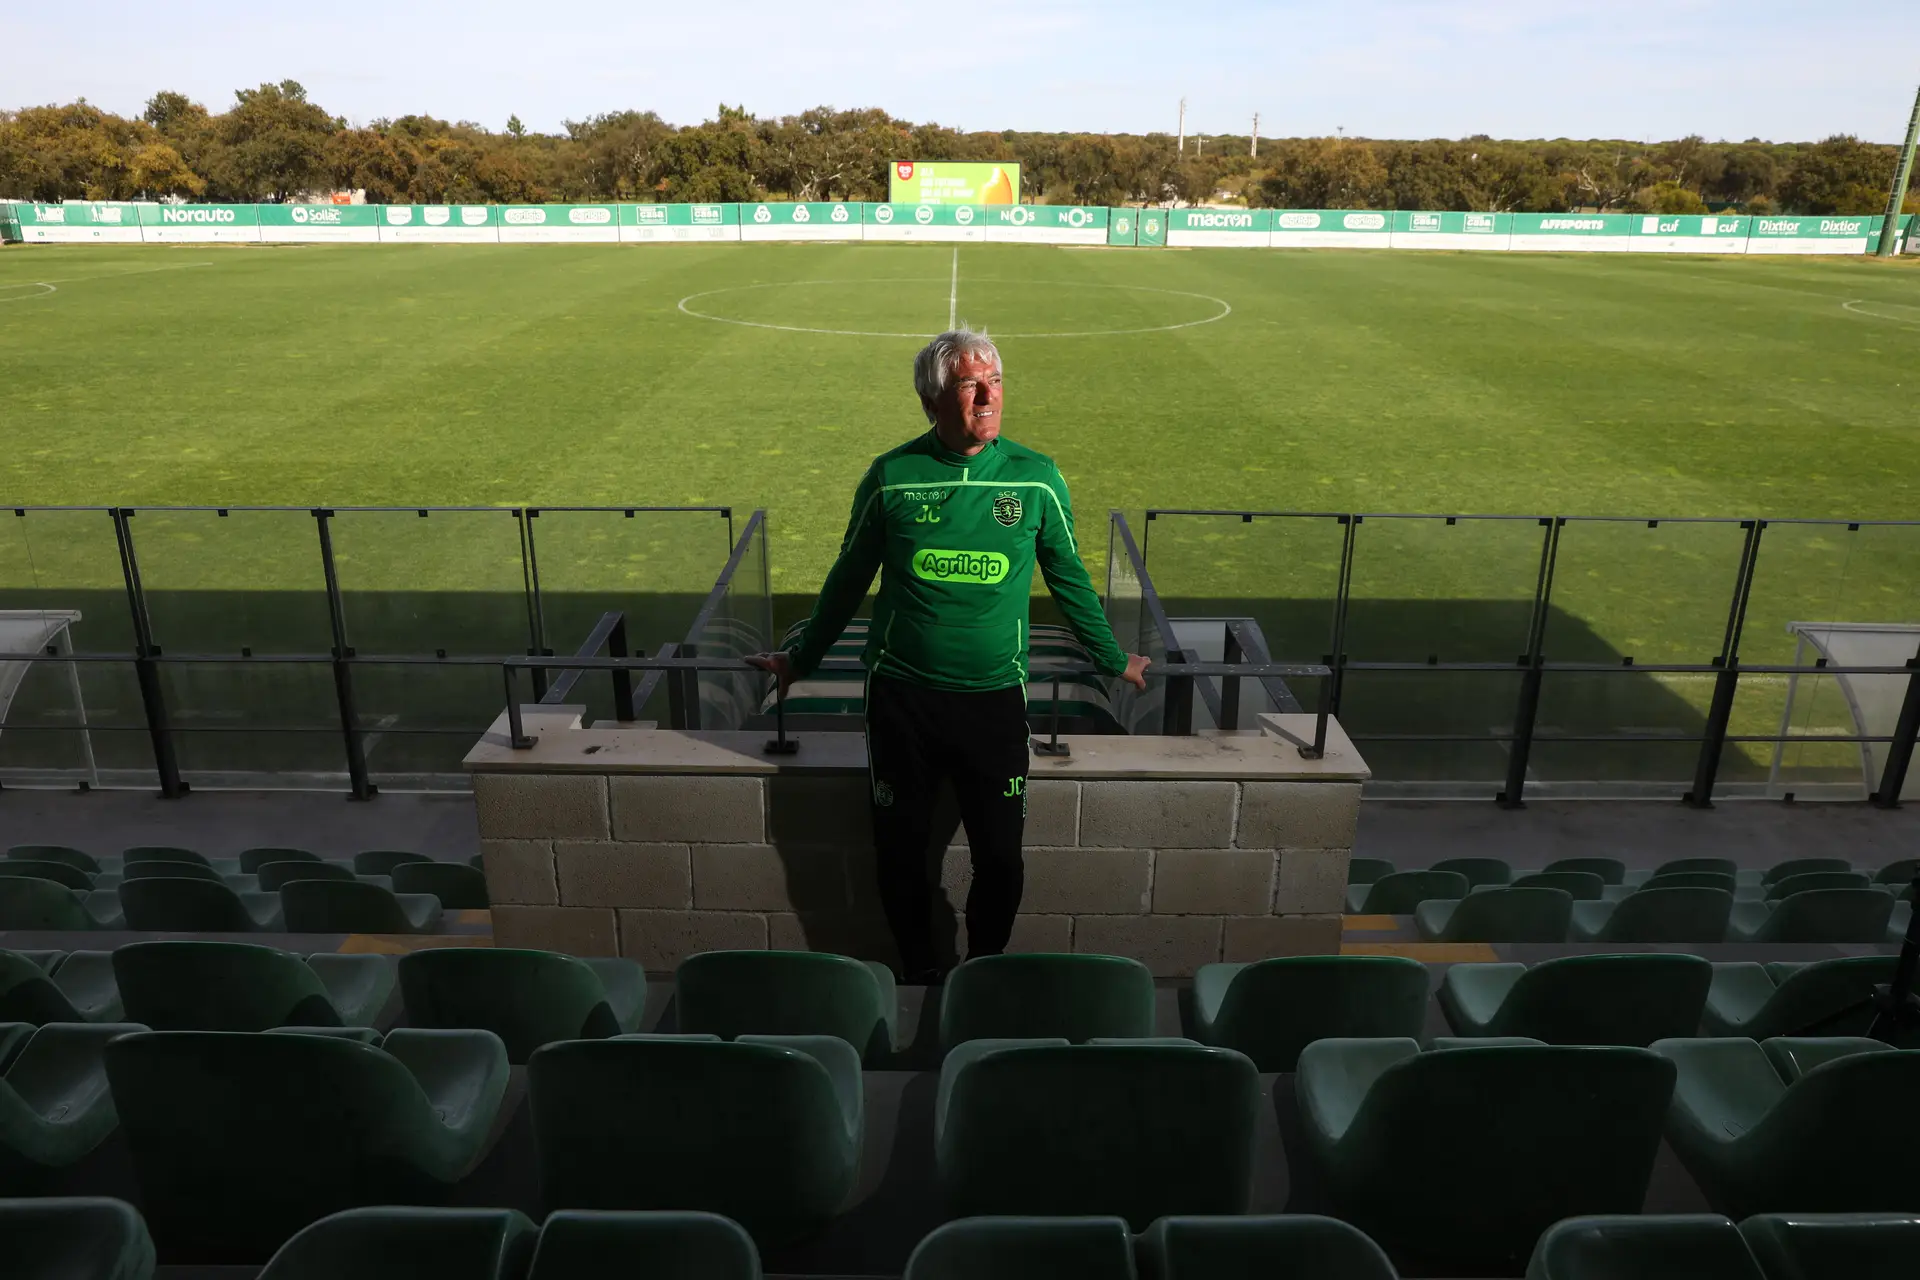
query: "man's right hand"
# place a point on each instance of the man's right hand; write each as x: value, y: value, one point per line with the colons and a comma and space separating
x: 778, y: 662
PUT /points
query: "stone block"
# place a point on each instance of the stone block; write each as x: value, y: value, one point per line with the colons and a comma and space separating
x: 1312, y: 882
x: 541, y: 806
x: 1298, y: 815
x: 1032, y: 933
x: 620, y: 874
x: 1259, y: 937
x: 688, y: 809
x: 1090, y: 881
x: 1053, y: 812
x: 1157, y: 815
x: 577, y: 931
x: 860, y: 936
x: 764, y: 877
x: 1217, y: 882
x: 519, y: 871
x: 660, y: 940
x: 1170, y: 946
x: 820, y: 809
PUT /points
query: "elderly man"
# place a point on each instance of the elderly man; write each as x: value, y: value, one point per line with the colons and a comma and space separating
x: 954, y: 520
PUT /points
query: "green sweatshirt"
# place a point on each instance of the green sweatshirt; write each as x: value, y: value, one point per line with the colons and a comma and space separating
x: 955, y: 539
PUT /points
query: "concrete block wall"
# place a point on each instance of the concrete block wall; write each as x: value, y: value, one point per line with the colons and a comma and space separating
x: 657, y: 867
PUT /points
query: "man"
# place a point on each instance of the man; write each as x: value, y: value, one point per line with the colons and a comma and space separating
x: 954, y: 521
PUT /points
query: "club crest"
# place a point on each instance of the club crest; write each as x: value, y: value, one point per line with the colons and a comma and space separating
x: 1006, y: 508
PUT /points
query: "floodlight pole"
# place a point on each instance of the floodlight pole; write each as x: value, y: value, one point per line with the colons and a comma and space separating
x: 1183, y: 126
x: 1902, y: 175
x: 1253, y: 148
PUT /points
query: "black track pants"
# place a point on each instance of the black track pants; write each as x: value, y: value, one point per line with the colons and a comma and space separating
x: 915, y: 737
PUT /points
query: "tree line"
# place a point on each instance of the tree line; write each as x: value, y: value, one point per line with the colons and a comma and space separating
x: 273, y: 144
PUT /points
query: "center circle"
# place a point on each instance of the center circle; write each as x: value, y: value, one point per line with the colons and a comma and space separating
x: 7, y: 296
x: 920, y: 295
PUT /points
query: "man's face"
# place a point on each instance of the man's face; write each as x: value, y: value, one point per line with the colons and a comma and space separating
x: 967, y: 414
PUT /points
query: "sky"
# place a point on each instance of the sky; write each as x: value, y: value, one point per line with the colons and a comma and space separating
x: 1727, y: 69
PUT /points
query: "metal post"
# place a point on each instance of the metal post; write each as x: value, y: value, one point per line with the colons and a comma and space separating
x: 1713, y: 740
x: 362, y: 787
x: 683, y: 692
x: 516, y: 728
x: 780, y: 744
x: 1342, y: 591
x: 1902, y: 175
x: 530, y: 590
x: 1528, y: 709
x: 1900, y: 751
x: 1053, y: 746
x: 622, y: 678
x: 1176, y: 712
x: 1230, y: 685
x: 145, y: 669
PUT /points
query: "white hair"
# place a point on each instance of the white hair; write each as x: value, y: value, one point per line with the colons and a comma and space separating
x: 933, y: 367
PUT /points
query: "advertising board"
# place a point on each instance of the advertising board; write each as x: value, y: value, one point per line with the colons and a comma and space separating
x: 317, y: 222
x: 955, y: 222
x: 640, y: 223
x: 1121, y: 224
x: 1331, y: 229
x: 1416, y: 230
x: 1232, y: 228
x: 1152, y: 228
x: 558, y: 224
x: 1830, y: 234
x: 953, y: 182
x: 1689, y: 233
x: 1571, y: 232
x: 816, y: 220
x: 1047, y: 223
x: 77, y: 223
x: 440, y: 223
x: 204, y: 223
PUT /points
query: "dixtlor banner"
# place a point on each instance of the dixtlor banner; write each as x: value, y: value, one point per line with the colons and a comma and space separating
x: 200, y: 222
x: 558, y: 224
x: 78, y: 223
x: 1152, y: 228
x: 1234, y: 228
x: 953, y: 182
x: 1415, y: 230
x: 1047, y: 223
x: 640, y: 223
x: 1689, y: 233
x: 1331, y: 229
x: 810, y: 221
x: 1121, y: 225
x: 1832, y: 234
x: 440, y: 223
x: 305, y: 222
x: 923, y: 222
x: 1572, y: 232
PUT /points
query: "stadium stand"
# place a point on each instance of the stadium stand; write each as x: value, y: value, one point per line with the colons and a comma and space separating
x: 1272, y: 1009
x: 1655, y: 915
x: 789, y: 993
x: 1625, y: 999
x: 55, y: 1107
x: 1497, y: 914
x: 185, y: 985
x: 58, y: 986
x: 527, y: 998
x: 1074, y: 998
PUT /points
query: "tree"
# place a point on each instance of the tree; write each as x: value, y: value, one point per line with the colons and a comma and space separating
x: 274, y: 144
x: 1839, y: 175
x: 515, y: 128
x: 1326, y: 173
x: 1669, y: 197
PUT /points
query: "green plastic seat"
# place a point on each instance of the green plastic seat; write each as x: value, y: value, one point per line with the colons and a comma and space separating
x: 1899, y: 873
x: 328, y: 906
x: 1823, y: 1124
x: 166, y: 904
x: 156, y: 868
x: 1824, y: 997
x: 1803, y: 866
x: 1296, y: 1246
x: 766, y: 1130
x: 1497, y: 915
x: 58, y: 872
x: 458, y: 886
x: 182, y: 985
x: 1139, y: 1130
x: 251, y: 860
x: 381, y: 862
x: 1399, y: 893
x: 787, y: 993
x: 1814, y: 1246
x: 78, y: 988
x: 527, y: 998
x: 1478, y: 871
x: 1582, y: 886
x: 1675, y: 880
x: 1817, y: 915
x: 238, y: 1140
x: 74, y: 858
x: 392, y: 1243
x: 28, y: 902
x: 1610, y: 870
x: 1719, y: 866
x: 672, y: 1244
x: 74, y: 1238
x: 275, y: 876
x: 1688, y: 1246
x: 1655, y: 915
x: 163, y: 853
x: 1528, y: 1134
x: 1025, y: 1249
x: 1787, y: 886
x: 1368, y: 870
x: 1074, y: 997
x: 1272, y: 1009
x: 55, y: 1105
x: 1627, y: 999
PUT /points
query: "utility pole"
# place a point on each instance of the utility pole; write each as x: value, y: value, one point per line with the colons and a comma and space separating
x: 1902, y: 175
x: 1254, y: 149
x: 1183, y: 126
x: 1200, y: 144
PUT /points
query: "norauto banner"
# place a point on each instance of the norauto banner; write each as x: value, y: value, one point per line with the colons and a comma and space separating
x: 1238, y: 228
x: 440, y: 223
x: 640, y: 223
x: 200, y: 222
x: 1572, y: 232
x: 1689, y: 233
x: 1331, y: 229
x: 302, y: 222
x: 558, y: 224
x: 807, y: 221
x: 1047, y: 223
x: 1832, y: 234
x: 1415, y: 230
x: 923, y: 222
x: 77, y: 223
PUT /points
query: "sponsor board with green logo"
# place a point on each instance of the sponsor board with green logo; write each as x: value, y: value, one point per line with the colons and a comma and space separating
x: 953, y: 182
x: 558, y: 224
x: 1047, y: 223
x: 923, y: 222
x: 167, y: 223
x: 815, y: 220
x: 107, y: 223
x: 1572, y: 232
x: 1331, y: 229
x: 1689, y: 233
x: 9, y: 225
x: 1830, y: 234
x: 440, y: 223
x: 307, y: 222
x: 1151, y: 228
x: 640, y: 223
x: 1413, y: 229
x: 1122, y: 224
x: 1237, y: 228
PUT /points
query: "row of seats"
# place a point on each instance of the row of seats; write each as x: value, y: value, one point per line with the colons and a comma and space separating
x: 1613, y: 871
x: 194, y: 904
x: 457, y: 885
x: 369, y: 862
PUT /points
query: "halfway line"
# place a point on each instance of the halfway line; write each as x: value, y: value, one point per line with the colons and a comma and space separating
x: 953, y: 290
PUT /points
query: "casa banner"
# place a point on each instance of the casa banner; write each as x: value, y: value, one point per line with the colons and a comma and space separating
x: 952, y: 182
x: 320, y: 222
x: 642, y: 223
x: 812, y: 220
x: 1415, y: 230
x: 1331, y: 229
x: 947, y: 222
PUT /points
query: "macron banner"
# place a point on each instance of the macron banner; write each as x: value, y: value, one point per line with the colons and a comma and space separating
x: 558, y: 224
x: 1234, y: 228
x: 1572, y: 232
x: 957, y: 222
x: 1414, y: 230
x: 1833, y: 234
x: 318, y: 222
x: 77, y: 223
x: 644, y: 223
x: 440, y: 223
x: 1331, y: 229
x: 1689, y: 233
x: 200, y: 222
x: 813, y: 220
x: 1047, y: 223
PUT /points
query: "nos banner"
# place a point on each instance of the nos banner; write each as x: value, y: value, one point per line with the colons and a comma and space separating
x: 806, y: 221
x: 77, y: 223
x: 1047, y: 223
x: 1330, y: 229
x: 640, y: 223
x: 923, y: 222
x: 558, y: 224
x: 440, y: 223
x: 1237, y: 228
x: 1572, y: 232
x: 1813, y: 235
x: 1689, y: 233
x: 304, y: 222
x: 1413, y: 230
x: 200, y: 222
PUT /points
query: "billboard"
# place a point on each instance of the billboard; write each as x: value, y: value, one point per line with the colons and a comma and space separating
x: 77, y: 223
x: 1236, y: 228
x: 200, y: 222
x: 643, y: 223
x: 1831, y: 234
x: 1417, y: 230
x: 1572, y: 232
x: 923, y: 222
x: 558, y: 224
x: 953, y: 182
x: 819, y: 220
x: 440, y: 223
x: 1047, y: 223
x: 1331, y: 229
x: 311, y: 222
x: 1689, y: 233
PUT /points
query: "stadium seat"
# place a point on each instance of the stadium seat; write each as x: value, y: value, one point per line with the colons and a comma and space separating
x: 1787, y: 886
x: 166, y: 904
x: 59, y: 872
x: 393, y: 1243
x: 327, y: 906
x: 251, y: 860
x: 1272, y: 1009
x: 1680, y: 866
x: 27, y: 902
x: 1140, y: 1130
x: 237, y: 986
x: 1398, y: 894
x: 1582, y: 886
x: 275, y: 876
x: 1655, y: 915
x: 1824, y: 997
x: 478, y: 862
x: 163, y: 853
x: 1025, y: 1249
x: 239, y: 1140
x: 1367, y: 870
x: 766, y: 1130
x: 1497, y: 915
x: 1279, y: 1247
x: 61, y: 853
x: 1823, y: 1124
x: 787, y: 993
x: 457, y: 886
x: 527, y: 998
x: 1074, y: 997
x: 74, y: 1238
x: 79, y: 987
x: 54, y: 1103
x: 1675, y: 880
x: 1897, y: 874
x: 381, y: 862
x: 1610, y: 870
x: 1478, y: 871
x: 1803, y: 866
x: 1814, y: 1246
x: 1818, y: 915
x: 1527, y: 1134
x: 156, y: 868
x: 673, y: 1244
x: 1627, y: 999
x: 1692, y: 1246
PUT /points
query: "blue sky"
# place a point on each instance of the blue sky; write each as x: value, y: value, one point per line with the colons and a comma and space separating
x: 1384, y: 68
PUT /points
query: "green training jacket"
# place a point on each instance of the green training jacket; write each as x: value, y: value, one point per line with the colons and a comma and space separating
x: 955, y: 540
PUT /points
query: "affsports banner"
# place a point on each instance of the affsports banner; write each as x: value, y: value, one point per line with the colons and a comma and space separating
x: 1834, y: 234
x: 311, y: 222
x: 808, y: 221
x: 1689, y: 233
x: 1234, y: 228
x: 1331, y: 229
x: 957, y: 222
x: 1571, y: 233
x: 200, y: 222
x: 1047, y: 223
x: 641, y: 223
x: 1413, y: 230
x: 77, y: 223
x: 440, y: 223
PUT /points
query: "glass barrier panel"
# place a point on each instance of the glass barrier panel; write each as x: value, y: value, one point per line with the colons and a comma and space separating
x: 1133, y: 626
x: 240, y: 723
x: 1281, y: 570
x: 1454, y: 589
x: 223, y: 581
x: 1428, y: 727
x: 741, y: 623
x: 418, y: 722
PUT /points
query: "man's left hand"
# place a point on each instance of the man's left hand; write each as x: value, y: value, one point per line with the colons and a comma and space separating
x: 1136, y: 672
